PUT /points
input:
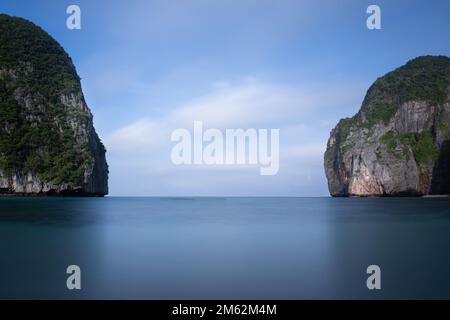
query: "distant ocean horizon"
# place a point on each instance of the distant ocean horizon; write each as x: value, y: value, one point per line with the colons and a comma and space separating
x: 216, y: 247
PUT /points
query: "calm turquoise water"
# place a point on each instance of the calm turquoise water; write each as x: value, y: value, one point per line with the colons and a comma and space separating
x: 223, y: 248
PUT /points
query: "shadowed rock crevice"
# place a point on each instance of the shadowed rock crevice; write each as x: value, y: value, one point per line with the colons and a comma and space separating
x: 440, y: 183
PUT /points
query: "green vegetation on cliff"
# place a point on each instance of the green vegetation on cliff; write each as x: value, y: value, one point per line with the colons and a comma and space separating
x: 422, y: 79
x: 422, y: 144
x: 43, y: 64
x: 425, y: 78
x: 36, y: 128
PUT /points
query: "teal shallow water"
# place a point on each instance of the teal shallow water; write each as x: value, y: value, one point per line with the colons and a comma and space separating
x: 224, y: 248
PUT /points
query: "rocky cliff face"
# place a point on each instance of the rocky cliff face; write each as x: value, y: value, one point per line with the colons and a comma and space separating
x: 399, y: 142
x: 48, y: 145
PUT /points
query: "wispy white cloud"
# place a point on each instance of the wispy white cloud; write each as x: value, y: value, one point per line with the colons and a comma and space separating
x: 145, y: 145
x: 141, y: 136
x: 248, y: 104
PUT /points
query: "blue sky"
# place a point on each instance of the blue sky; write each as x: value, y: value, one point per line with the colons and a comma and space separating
x: 149, y: 67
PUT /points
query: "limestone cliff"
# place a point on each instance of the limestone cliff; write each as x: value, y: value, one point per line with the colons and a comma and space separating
x: 48, y: 145
x: 399, y: 141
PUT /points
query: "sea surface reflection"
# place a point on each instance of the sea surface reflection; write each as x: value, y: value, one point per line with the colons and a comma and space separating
x: 224, y: 248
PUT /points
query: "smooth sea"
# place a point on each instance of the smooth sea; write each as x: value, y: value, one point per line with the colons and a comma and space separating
x: 224, y: 248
